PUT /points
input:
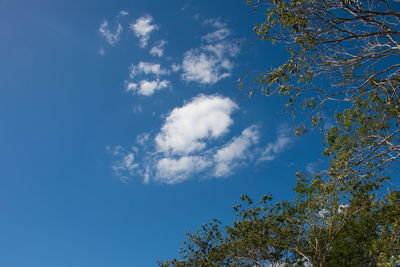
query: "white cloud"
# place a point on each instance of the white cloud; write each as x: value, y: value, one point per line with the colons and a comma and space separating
x: 137, y: 109
x: 311, y: 168
x: 111, y: 37
x: 186, y: 129
x: 221, y: 162
x: 123, y: 13
x: 158, y: 50
x: 227, y: 158
x: 315, y: 168
x: 175, y: 67
x: 143, y: 28
x: 212, y: 61
x: 102, y: 51
x: 209, y: 64
x: 283, y: 141
x: 218, y: 35
x: 146, y: 87
x: 125, y: 166
x: 222, y: 51
x: 221, y: 32
x: 171, y: 170
x: 147, y: 68
x: 146, y: 175
x: 143, y: 138
x: 116, y: 151
x: 216, y: 22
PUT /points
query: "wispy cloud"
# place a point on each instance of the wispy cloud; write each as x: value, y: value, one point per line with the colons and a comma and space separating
x: 213, y: 61
x: 175, y: 67
x: 146, y: 68
x: 209, y: 64
x: 102, y: 51
x: 137, y: 108
x: 311, y: 168
x: 123, y: 13
x: 146, y: 87
x: 125, y: 166
x: 158, y: 50
x: 143, y: 138
x: 112, y: 37
x: 221, y: 32
x: 143, y: 28
x: 282, y: 142
x: 231, y: 155
x: 215, y: 22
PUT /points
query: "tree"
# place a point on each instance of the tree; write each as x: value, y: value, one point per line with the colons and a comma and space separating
x: 329, y: 223
x: 343, y: 55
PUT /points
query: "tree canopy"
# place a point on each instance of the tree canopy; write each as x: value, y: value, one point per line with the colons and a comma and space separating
x: 343, y: 56
x: 315, y: 229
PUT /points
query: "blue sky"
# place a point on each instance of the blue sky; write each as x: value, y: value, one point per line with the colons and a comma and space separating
x: 122, y: 127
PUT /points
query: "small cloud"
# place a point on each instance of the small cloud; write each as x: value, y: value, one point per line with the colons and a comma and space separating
x: 116, y: 151
x: 123, y: 13
x: 146, y: 87
x: 143, y: 28
x: 212, y: 61
x: 283, y: 141
x: 137, y: 109
x: 143, y: 139
x: 315, y: 168
x: 147, y: 68
x: 221, y: 32
x: 146, y: 176
x: 175, y: 67
x: 158, y: 50
x: 218, y: 35
x: 125, y: 166
x: 209, y: 64
x: 216, y: 23
x: 229, y: 156
x: 311, y: 168
x: 102, y: 51
x: 112, y: 37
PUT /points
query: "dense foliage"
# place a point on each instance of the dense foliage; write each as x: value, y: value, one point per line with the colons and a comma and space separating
x: 342, y: 55
x: 315, y: 229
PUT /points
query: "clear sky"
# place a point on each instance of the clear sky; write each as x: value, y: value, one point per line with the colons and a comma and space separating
x: 122, y: 126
